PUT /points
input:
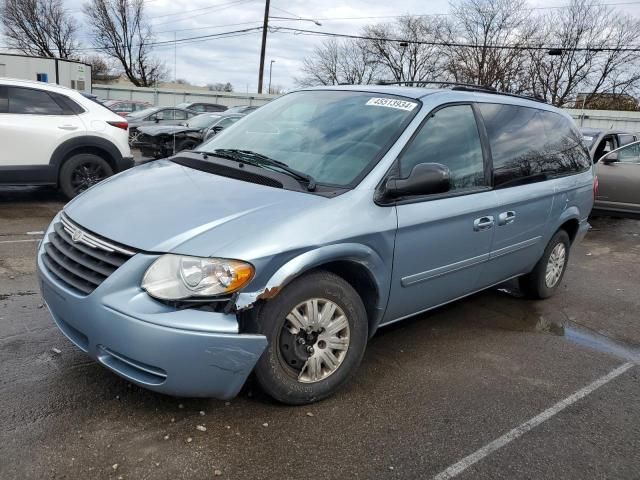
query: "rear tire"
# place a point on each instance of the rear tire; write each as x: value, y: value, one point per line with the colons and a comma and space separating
x: 545, y: 278
x: 81, y: 172
x: 307, y: 365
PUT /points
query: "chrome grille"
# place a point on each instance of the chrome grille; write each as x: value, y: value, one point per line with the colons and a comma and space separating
x: 80, y: 259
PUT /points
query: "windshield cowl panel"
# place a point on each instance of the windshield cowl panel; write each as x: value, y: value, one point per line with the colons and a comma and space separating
x: 333, y: 137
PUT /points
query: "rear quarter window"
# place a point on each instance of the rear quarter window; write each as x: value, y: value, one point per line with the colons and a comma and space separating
x: 33, y: 102
x: 529, y: 144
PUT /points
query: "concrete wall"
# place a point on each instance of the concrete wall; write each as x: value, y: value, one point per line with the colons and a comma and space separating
x: 70, y: 74
x: 608, y: 119
x: 167, y: 97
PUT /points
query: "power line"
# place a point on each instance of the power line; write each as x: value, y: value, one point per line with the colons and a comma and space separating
x: 210, y: 7
x: 217, y: 8
x: 285, y: 11
x: 453, y: 44
x: 271, y: 19
x: 378, y: 17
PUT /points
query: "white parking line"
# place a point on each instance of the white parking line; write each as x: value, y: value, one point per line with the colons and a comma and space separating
x: 21, y: 241
x: 508, y: 437
x: 37, y: 232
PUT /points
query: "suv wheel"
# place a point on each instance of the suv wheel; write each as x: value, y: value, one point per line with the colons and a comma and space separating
x: 82, y: 171
x: 317, y: 331
x: 545, y: 278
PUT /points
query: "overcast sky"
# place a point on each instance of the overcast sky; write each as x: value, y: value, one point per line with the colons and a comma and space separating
x: 236, y: 59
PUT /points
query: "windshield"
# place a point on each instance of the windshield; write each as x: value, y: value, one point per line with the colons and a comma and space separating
x: 143, y: 113
x: 332, y: 136
x: 202, y: 121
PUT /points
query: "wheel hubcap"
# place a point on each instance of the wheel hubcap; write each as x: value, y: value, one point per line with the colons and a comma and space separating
x: 314, y: 340
x: 555, y: 265
x: 86, y: 175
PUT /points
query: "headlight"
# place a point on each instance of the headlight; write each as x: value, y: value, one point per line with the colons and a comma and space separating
x: 176, y: 277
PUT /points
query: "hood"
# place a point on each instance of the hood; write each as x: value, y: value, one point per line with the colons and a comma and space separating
x: 155, y: 130
x: 165, y: 207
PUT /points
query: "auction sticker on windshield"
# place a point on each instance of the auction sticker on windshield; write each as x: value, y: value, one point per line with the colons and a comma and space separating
x: 392, y: 103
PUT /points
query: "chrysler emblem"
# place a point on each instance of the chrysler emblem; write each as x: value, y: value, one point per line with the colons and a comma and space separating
x: 77, y: 235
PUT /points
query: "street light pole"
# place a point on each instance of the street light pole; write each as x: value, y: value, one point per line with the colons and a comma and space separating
x: 270, y: 68
x: 265, y: 27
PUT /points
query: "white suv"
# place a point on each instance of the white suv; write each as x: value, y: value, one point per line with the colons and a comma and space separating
x: 52, y: 135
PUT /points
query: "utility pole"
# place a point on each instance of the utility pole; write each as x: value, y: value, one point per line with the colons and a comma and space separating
x: 265, y: 27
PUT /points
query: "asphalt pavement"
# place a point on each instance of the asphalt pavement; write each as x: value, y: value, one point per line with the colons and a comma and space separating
x: 493, y: 386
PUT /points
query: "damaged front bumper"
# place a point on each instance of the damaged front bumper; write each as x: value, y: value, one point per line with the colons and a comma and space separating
x: 188, y: 352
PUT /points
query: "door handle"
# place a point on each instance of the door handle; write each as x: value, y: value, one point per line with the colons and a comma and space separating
x: 67, y: 127
x: 483, y: 223
x: 506, y: 218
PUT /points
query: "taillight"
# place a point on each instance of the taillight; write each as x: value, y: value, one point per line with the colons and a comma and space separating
x: 596, y: 184
x: 121, y: 124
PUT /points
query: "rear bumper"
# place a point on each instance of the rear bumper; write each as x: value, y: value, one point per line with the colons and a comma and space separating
x: 189, y: 353
x: 583, y: 228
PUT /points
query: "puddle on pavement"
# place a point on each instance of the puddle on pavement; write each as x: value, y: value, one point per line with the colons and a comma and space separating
x: 558, y: 323
x: 583, y: 336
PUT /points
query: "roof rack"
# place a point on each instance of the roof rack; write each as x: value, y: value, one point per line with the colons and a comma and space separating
x: 456, y: 85
x: 464, y: 87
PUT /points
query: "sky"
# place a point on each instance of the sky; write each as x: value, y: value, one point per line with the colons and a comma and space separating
x: 236, y: 59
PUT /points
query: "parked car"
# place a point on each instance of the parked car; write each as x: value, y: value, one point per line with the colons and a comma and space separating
x: 618, y: 175
x: 282, y: 244
x: 156, y: 115
x: 93, y: 97
x: 202, y: 107
x: 126, y: 107
x: 243, y: 109
x: 159, y: 141
x: 602, y: 141
x: 52, y: 135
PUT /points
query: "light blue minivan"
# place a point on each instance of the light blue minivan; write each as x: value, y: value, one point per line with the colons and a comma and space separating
x: 281, y: 245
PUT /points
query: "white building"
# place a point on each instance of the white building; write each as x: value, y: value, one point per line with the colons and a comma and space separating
x: 69, y: 73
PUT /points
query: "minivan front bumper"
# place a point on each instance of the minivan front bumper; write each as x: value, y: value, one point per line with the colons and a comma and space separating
x: 190, y: 353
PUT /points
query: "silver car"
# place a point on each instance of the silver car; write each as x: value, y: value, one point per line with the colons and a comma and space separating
x: 618, y: 174
x: 283, y: 243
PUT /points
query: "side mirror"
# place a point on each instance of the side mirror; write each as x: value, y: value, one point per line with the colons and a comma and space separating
x: 156, y: 119
x: 424, y: 179
x: 610, y: 157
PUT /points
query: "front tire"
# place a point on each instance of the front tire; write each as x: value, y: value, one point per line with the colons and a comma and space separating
x: 545, y: 278
x: 317, y: 332
x: 81, y: 172
x: 186, y: 145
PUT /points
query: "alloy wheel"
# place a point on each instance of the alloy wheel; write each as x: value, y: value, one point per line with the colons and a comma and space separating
x: 86, y: 175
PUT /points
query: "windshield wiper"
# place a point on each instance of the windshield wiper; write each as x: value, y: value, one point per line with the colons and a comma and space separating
x: 259, y: 160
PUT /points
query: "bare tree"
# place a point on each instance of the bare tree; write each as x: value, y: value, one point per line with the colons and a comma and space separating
x: 220, y: 87
x: 407, y: 60
x: 579, y: 63
x: 339, y: 62
x: 120, y: 30
x: 102, y: 68
x: 488, y: 25
x: 39, y: 27
x: 276, y: 89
